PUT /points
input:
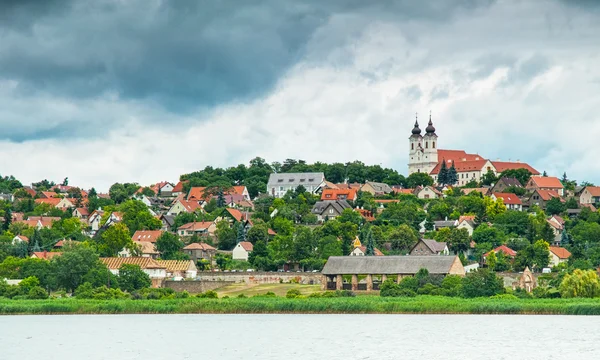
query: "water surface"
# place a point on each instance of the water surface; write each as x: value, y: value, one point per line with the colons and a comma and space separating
x: 380, y: 337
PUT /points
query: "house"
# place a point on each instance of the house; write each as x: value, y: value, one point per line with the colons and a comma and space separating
x: 7, y: 197
x: 467, y: 224
x: 590, y: 195
x: 200, y: 193
x: 178, y: 188
x: 114, y: 218
x: 163, y: 188
x: 557, y: 230
x: 546, y: 183
x: 147, y: 264
x: 167, y: 220
x: 181, y: 205
x: 383, y: 267
x: 429, y: 192
x: 511, y: 201
x: 558, y: 255
x: 541, y: 197
x: 201, y: 228
x: 399, y: 190
x: 81, y: 213
x: 145, y: 249
x: 94, y: 220
x: 48, y: 195
x: 279, y: 184
x: 425, y: 247
x: 510, y: 253
x: 59, y: 203
x: 147, y: 235
x: 376, y: 188
x: 234, y: 215
x: 179, y: 269
x: 506, y: 182
x: 440, y: 224
x: 366, y: 214
x: 339, y: 194
x: 467, y: 171
x: 329, y: 209
x: 200, y: 251
x: 242, y: 250
x: 362, y: 250
x: 20, y: 239
x: 44, y: 255
x: 485, y: 191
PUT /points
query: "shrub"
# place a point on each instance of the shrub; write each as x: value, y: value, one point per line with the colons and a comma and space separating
x: 293, y: 293
x: 581, y: 283
x: 482, y: 283
x: 409, y: 283
x: 452, y: 285
x: 504, y: 297
x: 429, y: 289
x: 344, y: 293
x: 242, y: 296
x: 210, y: 294
x: 389, y: 288
x: 28, y: 283
x: 37, y: 293
x: 182, y: 295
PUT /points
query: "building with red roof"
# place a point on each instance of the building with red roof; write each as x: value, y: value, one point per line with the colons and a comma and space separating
x: 339, y: 194
x: 511, y: 201
x: 546, y: 183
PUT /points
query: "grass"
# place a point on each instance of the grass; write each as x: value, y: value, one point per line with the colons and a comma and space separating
x: 356, y: 305
x: 256, y: 289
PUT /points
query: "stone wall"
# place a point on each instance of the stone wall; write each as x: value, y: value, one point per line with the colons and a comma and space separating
x: 194, y: 287
x: 261, y: 277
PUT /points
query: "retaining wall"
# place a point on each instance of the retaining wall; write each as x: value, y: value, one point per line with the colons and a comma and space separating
x: 261, y: 277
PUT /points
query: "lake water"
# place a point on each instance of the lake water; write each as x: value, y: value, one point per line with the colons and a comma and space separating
x: 282, y: 337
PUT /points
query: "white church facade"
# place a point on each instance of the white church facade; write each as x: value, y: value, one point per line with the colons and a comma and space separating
x: 426, y: 157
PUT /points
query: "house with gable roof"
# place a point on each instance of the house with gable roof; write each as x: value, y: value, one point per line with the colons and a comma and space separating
x: 504, y: 183
x: 329, y: 209
x: 511, y: 201
x: 200, y: 228
x: 376, y: 188
x: 429, y: 192
x: 429, y: 247
x: 242, y: 250
x: 590, y: 195
x: 541, y: 197
x: 339, y: 194
x: 550, y: 183
x: 280, y: 183
x: 558, y: 255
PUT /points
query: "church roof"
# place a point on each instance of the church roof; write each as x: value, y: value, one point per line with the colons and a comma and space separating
x: 462, y: 166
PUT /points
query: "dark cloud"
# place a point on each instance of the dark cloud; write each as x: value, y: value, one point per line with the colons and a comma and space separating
x: 181, y: 54
x: 486, y: 65
x: 527, y: 70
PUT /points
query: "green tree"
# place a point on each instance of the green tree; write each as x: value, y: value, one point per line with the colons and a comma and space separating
x: 492, y: 260
x: 555, y: 206
x: 482, y: 282
x: 132, y: 277
x: 402, y: 238
x: 419, y: 179
x: 349, y: 215
x: 452, y: 175
x: 534, y: 256
x: 581, y: 283
x: 370, y: 243
x: 220, y: 199
x: 168, y: 245
x: 489, y: 178
x: 226, y: 236
x: 136, y: 216
x: 7, y: 219
x: 241, y: 233
x: 258, y: 232
x: 489, y: 234
x: 259, y: 257
x: 73, y: 265
x: 459, y: 240
x: 442, y: 178
x: 115, y: 239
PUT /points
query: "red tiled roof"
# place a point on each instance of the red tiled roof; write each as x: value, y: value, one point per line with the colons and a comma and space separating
x: 559, y: 219
x: 593, y: 190
x: 339, y: 194
x: 197, y: 225
x: 271, y: 232
x: 199, y: 246
x: 349, y: 186
x: 147, y: 235
x: 508, y: 198
x: 376, y: 251
x: 506, y: 165
x: 562, y: 253
x: 368, y: 215
x: 457, y: 155
x: 23, y: 238
x: 179, y: 186
x: 246, y: 245
x: 238, y: 190
x: 505, y: 249
x: 547, y: 194
x: 589, y: 206
x: 466, y: 217
x: 386, y: 201
x: 555, y: 225
x: 115, y: 263
x: 462, y: 166
x: 404, y: 191
x: 45, y: 255
x: 546, y: 182
x: 482, y: 190
x: 237, y: 215
x: 52, y: 201
x: 83, y: 211
x: 49, y: 194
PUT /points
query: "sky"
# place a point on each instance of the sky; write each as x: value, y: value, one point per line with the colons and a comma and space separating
x: 105, y: 91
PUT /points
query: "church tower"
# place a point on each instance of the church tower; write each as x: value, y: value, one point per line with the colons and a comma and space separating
x: 430, y: 150
x: 415, y: 154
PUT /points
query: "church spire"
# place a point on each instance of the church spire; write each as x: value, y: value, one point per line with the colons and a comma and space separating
x: 430, y: 128
x: 416, y: 130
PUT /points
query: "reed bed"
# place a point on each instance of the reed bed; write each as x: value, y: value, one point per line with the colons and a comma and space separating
x: 270, y: 305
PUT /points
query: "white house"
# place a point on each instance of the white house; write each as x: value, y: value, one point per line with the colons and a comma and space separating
x: 19, y: 239
x: 511, y: 201
x: 94, y: 220
x: 280, y: 184
x: 558, y: 255
x: 147, y: 264
x: 467, y: 224
x: 242, y: 250
x: 429, y: 192
x: 179, y: 269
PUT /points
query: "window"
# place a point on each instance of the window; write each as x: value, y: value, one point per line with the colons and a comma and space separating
x: 279, y: 180
x: 426, y: 144
x: 302, y: 180
x: 412, y: 146
x: 281, y: 188
x: 291, y: 180
x: 433, y: 145
x: 331, y: 211
x: 311, y: 180
x: 426, y: 196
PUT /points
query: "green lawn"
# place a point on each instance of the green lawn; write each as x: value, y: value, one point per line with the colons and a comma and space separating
x: 259, y: 289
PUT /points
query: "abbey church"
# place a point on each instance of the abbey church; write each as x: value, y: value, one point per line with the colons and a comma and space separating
x: 425, y: 157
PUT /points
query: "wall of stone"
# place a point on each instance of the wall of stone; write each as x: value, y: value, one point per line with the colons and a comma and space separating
x: 194, y: 287
x: 262, y: 277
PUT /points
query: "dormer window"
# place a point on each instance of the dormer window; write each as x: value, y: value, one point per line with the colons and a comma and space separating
x: 279, y: 180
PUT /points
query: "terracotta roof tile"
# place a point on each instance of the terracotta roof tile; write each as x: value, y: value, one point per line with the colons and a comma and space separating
x: 593, y: 190
x: 339, y: 194
x: 562, y: 253
x: 505, y: 249
x: 506, y: 165
x: 508, y: 198
x: 547, y: 182
x: 147, y: 235
x: 199, y: 246
x: 246, y: 245
x: 45, y: 255
x: 114, y: 263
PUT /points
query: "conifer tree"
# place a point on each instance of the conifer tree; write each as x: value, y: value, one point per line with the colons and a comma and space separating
x: 370, y: 243
x: 221, y: 199
x: 7, y: 219
x: 452, y: 175
x: 241, y: 234
x: 443, y: 175
x: 35, y: 241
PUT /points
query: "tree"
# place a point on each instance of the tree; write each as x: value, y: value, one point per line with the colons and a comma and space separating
x: 136, y: 216
x: 259, y: 257
x: 442, y: 178
x: 241, y: 233
x: 489, y: 178
x: 370, y: 243
x: 226, y: 236
x: 65, y: 182
x: 168, y: 245
x: 73, y: 265
x: 522, y: 174
x: 7, y: 219
x: 92, y: 194
x: 534, y: 256
x: 115, y: 239
x: 452, y: 175
x: 132, y: 277
x: 581, y: 283
x: 572, y: 203
x: 565, y: 239
x: 489, y: 234
x: 482, y: 282
x: 258, y: 232
x: 220, y: 199
x: 555, y: 206
x: 492, y: 260
x: 402, y: 238
x: 493, y: 208
x: 418, y: 179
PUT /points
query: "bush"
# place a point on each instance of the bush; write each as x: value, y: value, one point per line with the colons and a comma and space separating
x: 210, y: 294
x: 293, y: 293
x: 344, y: 293
x: 429, y: 289
x: 182, y: 295
x: 37, y: 293
x: 452, y: 286
x: 242, y: 296
x: 482, y: 283
x: 504, y: 297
